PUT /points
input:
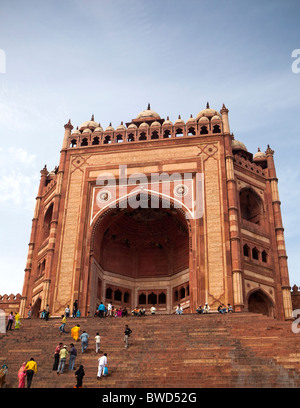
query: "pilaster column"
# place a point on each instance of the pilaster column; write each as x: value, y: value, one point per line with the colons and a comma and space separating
x: 233, y: 215
x: 54, y: 222
x: 279, y: 234
x: 31, y: 245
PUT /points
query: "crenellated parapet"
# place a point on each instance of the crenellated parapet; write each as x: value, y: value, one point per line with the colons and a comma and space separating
x: 10, y: 303
x: 147, y: 126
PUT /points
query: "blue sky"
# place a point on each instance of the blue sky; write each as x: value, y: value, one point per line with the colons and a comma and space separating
x: 72, y: 59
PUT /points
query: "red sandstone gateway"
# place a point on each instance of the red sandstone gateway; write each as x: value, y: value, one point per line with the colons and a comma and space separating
x: 86, y: 243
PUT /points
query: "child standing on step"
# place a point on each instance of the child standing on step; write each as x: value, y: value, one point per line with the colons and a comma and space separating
x: 97, y: 340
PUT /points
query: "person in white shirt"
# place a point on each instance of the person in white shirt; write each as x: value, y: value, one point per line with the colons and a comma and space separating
x: 97, y: 340
x: 109, y: 309
x: 179, y: 309
x: 102, y: 362
x: 153, y: 309
x: 206, y: 308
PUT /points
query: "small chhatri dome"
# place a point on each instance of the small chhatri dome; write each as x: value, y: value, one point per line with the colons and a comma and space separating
x: 99, y: 129
x: 155, y: 124
x: 121, y: 127
x: 167, y: 121
x: 76, y: 131
x: 179, y: 121
x: 191, y: 120
x: 148, y: 113
x: 236, y: 144
x: 109, y: 128
x: 144, y: 125
x: 132, y: 126
x: 259, y: 155
x: 208, y: 113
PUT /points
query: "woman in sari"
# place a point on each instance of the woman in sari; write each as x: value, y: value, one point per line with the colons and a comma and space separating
x: 22, y: 375
x: 75, y: 332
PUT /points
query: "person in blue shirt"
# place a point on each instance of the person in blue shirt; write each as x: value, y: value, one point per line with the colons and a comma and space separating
x: 101, y: 310
x: 84, y: 341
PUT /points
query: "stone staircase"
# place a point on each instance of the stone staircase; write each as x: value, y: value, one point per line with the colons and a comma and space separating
x: 166, y: 351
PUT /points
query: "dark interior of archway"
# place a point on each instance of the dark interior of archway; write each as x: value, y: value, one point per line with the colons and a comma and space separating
x: 258, y: 303
x: 142, y: 242
x: 251, y: 208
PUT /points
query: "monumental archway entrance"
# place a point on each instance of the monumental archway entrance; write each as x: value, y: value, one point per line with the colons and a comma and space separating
x: 141, y: 257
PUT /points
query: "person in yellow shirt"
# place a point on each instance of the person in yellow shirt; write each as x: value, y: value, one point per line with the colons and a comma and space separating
x: 17, y: 321
x: 62, y: 359
x: 75, y: 332
x: 31, y: 369
x: 63, y: 323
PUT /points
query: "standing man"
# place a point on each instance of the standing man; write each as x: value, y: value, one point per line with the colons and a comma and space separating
x: 84, y: 341
x: 63, y: 323
x: 67, y: 311
x: 97, y: 340
x: 73, y: 354
x: 102, y: 362
x: 31, y: 369
x: 75, y: 308
x: 62, y: 359
x: 56, y: 356
x: 47, y: 312
x: 101, y: 310
x: 127, y: 333
x: 10, y: 320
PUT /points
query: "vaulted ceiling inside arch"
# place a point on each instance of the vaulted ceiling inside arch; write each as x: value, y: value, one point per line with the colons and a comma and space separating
x: 143, y: 242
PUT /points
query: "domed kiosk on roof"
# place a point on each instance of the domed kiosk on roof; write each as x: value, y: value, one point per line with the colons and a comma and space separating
x: 208, y: 113
x: 148, y: 113
x: 236, y: 145
x: 259, y: 155
x: 90, y: 124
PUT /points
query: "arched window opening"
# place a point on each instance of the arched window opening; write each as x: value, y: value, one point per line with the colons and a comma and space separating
x: 126, y: 297
x: 162, y: 298
x: 43, y: 267
x: 154, y: 135
x: 188, y: 290
x: 95, y: 141
x: 73, y: 143
x: 191, y: 131
x: 119, y: 139
x: 84, y: 142
x: 118, y: 295
x: 167, y: 134
x: 216, y: 129
x: 182, y: 293
x: 203, y: 130
x: 255, y: 254
x: 246, y: 250
x: 176, y: 296
x: 108, y: 294
x: 264, y: 256
x: 251, y: 206
x: 143, y: 136
x: 130, y: 138
x: 142, y: 299
x: 107, y: 140
x: 179, y: 133
x: 152, y: 299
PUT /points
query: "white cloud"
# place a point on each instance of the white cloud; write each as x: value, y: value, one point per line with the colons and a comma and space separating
x: 18, y: 180
x: 22, y: 156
